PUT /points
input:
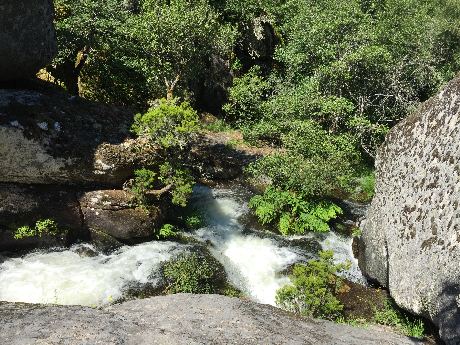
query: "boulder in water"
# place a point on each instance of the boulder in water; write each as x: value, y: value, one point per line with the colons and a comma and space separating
x: 114, y: 213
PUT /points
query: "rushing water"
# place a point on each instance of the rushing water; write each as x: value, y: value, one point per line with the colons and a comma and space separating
x: 73, y: 277
x: 253, y: 260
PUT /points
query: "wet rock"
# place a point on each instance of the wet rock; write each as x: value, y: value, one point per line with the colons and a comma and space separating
x: 360, y: 302
x: 27, y: 38
x: 411, y: 240
x: 23, y: 205
x: 114, y: 213
x: 177, y: 319
x: 103, y: 241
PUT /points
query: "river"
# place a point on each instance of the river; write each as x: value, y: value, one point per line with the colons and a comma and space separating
x: 254, y: 260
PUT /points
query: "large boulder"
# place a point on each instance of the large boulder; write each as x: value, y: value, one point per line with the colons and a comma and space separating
x: 48, y: 137
x: 27, y: 38
x: 411, y: 237
x: 178, y: 319
x: 114, y: 213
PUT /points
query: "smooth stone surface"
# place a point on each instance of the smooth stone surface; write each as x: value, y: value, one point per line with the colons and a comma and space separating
x: 177, y: 319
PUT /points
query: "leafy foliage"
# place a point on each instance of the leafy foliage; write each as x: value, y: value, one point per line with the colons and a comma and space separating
x: 144, y: 180
x: 293, y: 214
x: 167, y: 231
x: 191, y: 273
x: 167, y: 124
x: 42, y: 227
x: 194, y: 221
x: 245, y: 97
x: 313, y: 289
x: 178, y: 182
x: 408, y: 325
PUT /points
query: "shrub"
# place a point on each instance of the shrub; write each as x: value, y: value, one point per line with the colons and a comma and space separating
x: 293, y: 214
x: 313, y: 289
x: 365, y: 187
x: 192, y: 273
x: 144, y: 180
x: 167, y: 231
x: 194, y: 222
x: 408, y: 325
x: 42, y: 227
x: 180, y: 180
x: 175, y: 181
x: 245, y: 98
x: 167, y: 124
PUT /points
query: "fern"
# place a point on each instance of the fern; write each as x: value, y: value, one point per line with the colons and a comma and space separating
x: 293, y: 213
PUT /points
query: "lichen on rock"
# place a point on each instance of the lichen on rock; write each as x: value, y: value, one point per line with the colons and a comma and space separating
x: 411, y: 237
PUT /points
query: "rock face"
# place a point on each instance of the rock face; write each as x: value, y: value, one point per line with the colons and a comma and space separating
x: 66, y: 158
x: 47, y: 137
x: 23, y: 205
x: 112, y: 212
x: 177, y: 319
x: 27, y: 38
x: 411, y: 237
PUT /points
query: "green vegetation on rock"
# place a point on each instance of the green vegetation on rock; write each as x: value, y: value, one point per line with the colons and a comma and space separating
x: 314, y: 288
x: 404, y: 323
x: 42, y: 227
x: 193, y: 273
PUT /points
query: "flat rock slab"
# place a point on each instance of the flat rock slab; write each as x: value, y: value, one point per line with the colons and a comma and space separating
x: 177, y: 319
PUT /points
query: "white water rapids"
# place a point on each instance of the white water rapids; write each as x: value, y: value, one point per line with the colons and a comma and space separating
x: 253, y: 262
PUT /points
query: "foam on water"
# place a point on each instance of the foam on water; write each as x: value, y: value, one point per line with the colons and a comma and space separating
x: 65, y: 277
x: 253, y: 264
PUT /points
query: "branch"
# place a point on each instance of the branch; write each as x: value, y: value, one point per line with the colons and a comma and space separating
x: 159, y: 192
x: 170, y: 87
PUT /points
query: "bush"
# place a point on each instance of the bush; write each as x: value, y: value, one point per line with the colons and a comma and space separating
x: 193, y: 273
x: 245, y: 98
x: 194, y: 222
x: 42, y: 227
x: 175, y: 181
x: 408, y: 325
x: 293, y: 214
x: 144, y: 180
x: 180, y: 180
x: 168, y: 124
x: 313, y: 289
x: 167, y: 231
